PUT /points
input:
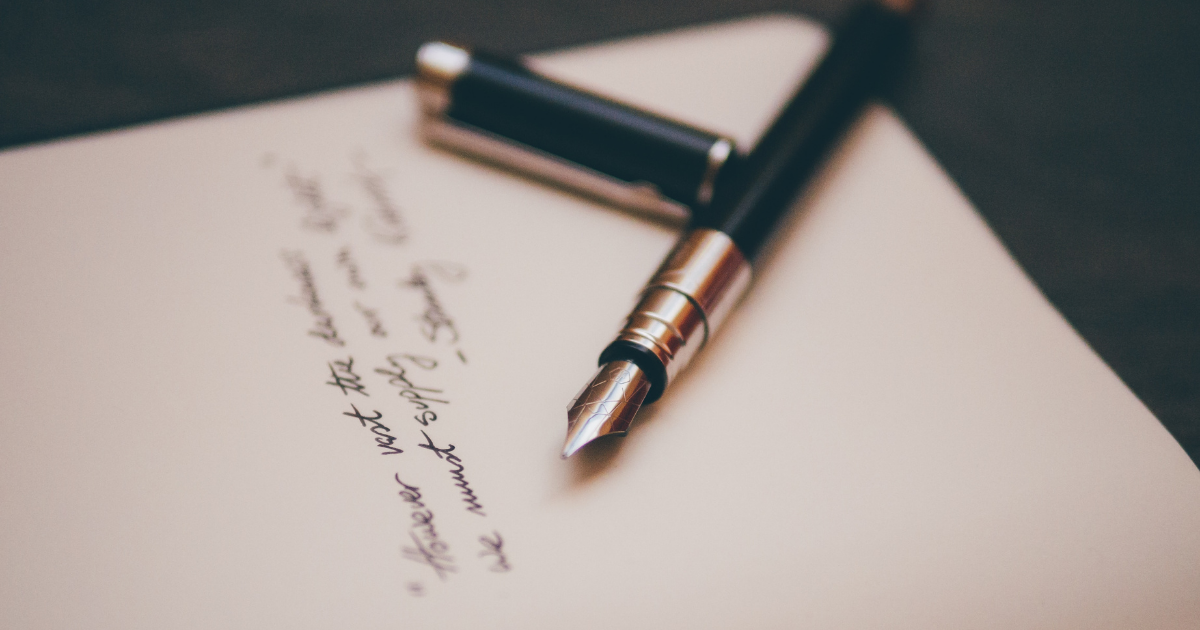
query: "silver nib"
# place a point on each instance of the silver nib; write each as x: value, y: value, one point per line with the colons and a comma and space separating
x: 607, y: 405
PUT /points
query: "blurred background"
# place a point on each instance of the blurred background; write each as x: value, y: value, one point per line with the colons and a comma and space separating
x: 1074, y: 126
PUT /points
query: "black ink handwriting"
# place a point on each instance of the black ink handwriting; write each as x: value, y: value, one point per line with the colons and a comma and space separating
x: 493, y: 546
x: 472, y: 501
x: 344, y: 377
x: 430, y: 549
x: 374, y: 323
x: 387, y: 224
x: 420, y: 397
x: 319, y: 213
x: 435, y: 323
x: 383, y: 436
x: 345, y: 260
x: 322, y: 327
x: 427, y: 556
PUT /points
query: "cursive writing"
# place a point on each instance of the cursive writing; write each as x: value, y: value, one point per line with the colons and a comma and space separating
x: 493, y: 546
x: 344, y: 377
x: 322, y: 327
x: 418, y: 396
x: 429, y: 548
x: 345, y: 260
x: 387, y: 224
x: 456, y: 473
x: 383, y: 435
x: 319, y: 213
x: 374, y: 323
x: 434, y: 322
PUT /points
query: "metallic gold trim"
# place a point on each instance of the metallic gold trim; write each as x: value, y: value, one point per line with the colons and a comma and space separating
x: 718, y: 155
x: 689, y: 297
x: 438, y: 66
x: 640, y: 197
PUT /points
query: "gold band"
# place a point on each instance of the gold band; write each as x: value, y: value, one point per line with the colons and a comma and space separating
x: 688, y: 298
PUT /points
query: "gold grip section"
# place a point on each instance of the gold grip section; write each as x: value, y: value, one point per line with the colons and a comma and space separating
x: 688, y: 298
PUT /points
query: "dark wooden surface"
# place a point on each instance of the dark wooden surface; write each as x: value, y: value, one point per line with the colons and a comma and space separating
x: 1074, y: 126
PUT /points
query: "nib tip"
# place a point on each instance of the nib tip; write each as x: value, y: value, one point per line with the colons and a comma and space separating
x: 606, y: 406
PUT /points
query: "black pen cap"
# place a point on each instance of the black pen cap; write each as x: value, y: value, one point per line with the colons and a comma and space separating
x: 498, y: 109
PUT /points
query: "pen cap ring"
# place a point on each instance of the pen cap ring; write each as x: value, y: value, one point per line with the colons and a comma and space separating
x: 710, y: 270
x: 685, y: 302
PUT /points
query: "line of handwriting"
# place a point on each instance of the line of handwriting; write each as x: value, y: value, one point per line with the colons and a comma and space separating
x: 421, y: 398
x: 374, y: 322
x: 323, y: 327
x: 493, y: 547
x: 387, y: 224
x: 346, y: 260
x: 345, y: 378
x: 435, y: 323
x: 456, y: 473
x: 383, y: 435
x: 428, y: 547
x: 319, y: 213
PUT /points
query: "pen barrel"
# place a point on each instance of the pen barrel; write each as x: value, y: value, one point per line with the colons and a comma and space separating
x: 506, y: 100
x: 749, y: 204
x: 681, y: 307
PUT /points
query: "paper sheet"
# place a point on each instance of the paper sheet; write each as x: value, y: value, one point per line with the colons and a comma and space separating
x: 286, y: 367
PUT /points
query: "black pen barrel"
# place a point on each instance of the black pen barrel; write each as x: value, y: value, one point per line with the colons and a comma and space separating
x: 749, y: 203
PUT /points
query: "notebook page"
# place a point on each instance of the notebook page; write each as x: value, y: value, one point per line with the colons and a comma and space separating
x: 285, y: 366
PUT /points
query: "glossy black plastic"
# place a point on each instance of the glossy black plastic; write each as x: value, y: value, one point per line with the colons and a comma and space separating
x: 505, y: 98
x: 749, y: 201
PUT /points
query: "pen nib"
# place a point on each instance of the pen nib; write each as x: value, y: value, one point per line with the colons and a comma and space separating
x: 607, y: 405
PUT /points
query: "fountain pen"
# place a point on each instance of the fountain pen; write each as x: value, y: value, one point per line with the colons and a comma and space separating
x: 709, y: 269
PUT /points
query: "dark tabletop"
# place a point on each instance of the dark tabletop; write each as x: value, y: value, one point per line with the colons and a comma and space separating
x: 1073, y: 126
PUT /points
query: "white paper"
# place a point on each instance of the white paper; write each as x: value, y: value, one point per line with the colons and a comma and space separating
x: 895, y: 430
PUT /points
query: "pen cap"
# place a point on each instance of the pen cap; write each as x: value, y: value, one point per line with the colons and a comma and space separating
x: 499, y: 109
